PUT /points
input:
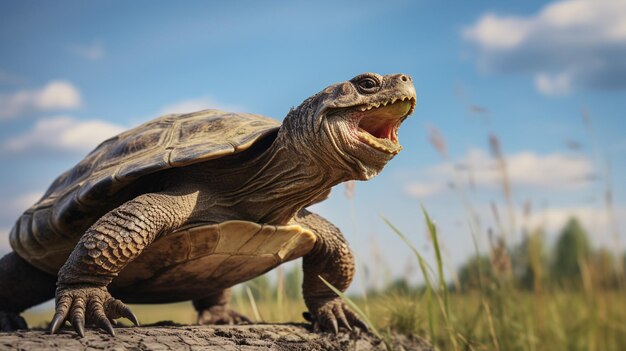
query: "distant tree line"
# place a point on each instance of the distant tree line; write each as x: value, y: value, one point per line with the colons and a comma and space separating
x: 570, y: 263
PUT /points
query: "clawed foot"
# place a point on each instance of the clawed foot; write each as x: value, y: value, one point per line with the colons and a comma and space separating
x: 10, y: 321
x: 221, y: 315
x: 89, y: 304
x: 332, y: 315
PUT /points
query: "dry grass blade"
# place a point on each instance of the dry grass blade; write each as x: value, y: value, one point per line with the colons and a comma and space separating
x: 255, y: 310
x: 492, y: 330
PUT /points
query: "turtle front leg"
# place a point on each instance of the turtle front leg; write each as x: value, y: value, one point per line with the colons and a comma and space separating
x: 214, y: 309
x: 331, y: 259
x: 104, y: 250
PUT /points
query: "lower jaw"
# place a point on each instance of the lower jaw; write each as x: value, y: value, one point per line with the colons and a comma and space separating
x: 382, y: 145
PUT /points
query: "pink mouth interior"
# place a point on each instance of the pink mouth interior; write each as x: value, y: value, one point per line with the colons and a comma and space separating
x: 383, y: 122
x: 381, y: 128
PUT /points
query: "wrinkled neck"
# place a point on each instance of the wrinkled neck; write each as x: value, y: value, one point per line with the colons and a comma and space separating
x: 287, y: 177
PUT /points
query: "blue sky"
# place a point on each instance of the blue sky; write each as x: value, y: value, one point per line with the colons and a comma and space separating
x: 73, y: 73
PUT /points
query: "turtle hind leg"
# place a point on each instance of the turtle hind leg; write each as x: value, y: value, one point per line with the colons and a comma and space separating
x: 21, y: 286
x: 214, y: 309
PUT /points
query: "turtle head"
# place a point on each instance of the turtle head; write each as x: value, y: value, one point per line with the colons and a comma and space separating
x: 356, y: 122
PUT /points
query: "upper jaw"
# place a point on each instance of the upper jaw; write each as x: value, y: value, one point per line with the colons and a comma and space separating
x: 377, y: 122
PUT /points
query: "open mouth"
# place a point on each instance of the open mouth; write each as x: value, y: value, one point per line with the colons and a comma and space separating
x: 378, y: 123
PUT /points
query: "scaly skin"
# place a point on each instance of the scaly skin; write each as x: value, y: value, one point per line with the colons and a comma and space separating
x: 105, y: 249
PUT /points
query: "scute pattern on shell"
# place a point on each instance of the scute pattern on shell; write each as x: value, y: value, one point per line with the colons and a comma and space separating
x: 48, y: 231
x: 174, y: 267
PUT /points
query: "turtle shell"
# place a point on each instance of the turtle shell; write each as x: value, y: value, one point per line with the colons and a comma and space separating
x: 48, y: 231
x: 204, y: 259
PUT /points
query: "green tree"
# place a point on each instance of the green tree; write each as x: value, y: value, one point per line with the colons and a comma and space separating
x: 571, y: 249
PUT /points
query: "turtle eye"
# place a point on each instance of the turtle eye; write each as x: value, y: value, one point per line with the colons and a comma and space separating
x: 367, y: 85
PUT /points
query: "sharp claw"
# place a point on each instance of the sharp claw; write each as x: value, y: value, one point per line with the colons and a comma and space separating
x: 356, y: 321
x: 341, y: 316
x: 56, y: 323
x: 344, y: 322
x: 62, y: 310
x: 79, y: 326
x: 119, y: 309
x: 99, y: 317
x: 359, y: 323
x: 78, y: 316
x: 110, y: 328
x: 105, y: 324
x: 128, y: 314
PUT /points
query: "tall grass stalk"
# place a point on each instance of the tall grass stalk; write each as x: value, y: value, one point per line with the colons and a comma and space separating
x: 280, y: 292
x: 432, y: 230
x: 424, y: 268
x: 442, y: 293
x: 255, y: 310
x: 492, y: 329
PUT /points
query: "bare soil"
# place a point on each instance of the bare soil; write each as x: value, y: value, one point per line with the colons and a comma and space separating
x: 167, y: 336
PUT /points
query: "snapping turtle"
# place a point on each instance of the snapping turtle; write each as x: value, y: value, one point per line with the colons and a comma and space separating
x: 185, y: 206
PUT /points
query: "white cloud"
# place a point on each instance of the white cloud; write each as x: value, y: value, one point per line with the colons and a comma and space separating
x: 93, y: 52
x: 498, y: 33
x: 202, y: 103
x: 63, y: 133
x: 422, y: 190
x: 525, y: 169
x: 10, y: 209
x: 55, y: 95
x: 560, y: 84
x: 571, y: 43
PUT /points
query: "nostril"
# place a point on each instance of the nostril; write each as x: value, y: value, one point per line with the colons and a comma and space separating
x: 404, y: 78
